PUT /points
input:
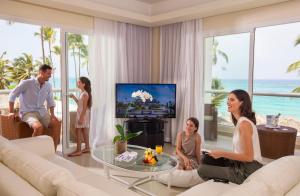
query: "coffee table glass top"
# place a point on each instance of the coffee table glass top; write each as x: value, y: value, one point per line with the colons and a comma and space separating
x: 106, y: 155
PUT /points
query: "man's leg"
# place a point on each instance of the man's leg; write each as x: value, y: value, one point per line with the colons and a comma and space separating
x: 31, y: 118
x: 55, y: 126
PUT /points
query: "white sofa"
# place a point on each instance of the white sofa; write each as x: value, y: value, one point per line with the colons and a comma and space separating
x: 30, y: 167
x: 280, y: 177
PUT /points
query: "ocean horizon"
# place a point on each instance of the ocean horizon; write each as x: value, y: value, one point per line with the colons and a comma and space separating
x: 265, y: 105
x: 262, y: 105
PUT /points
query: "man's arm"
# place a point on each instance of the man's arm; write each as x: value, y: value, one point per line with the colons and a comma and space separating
x: 14, y: 94
x: 51, y: 102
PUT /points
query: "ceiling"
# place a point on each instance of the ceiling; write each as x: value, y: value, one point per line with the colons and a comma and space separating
x: 152, y: 12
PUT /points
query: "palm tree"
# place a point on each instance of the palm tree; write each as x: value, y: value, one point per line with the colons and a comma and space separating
x: 74, y: 42
x: 295, y: 66
x: 82, y: 53
x: 22, y: 68
x: 4, y: 78
x: 41, y: 34
x: 216, y: 83
x: 217, y: 51
x: 48, y: 34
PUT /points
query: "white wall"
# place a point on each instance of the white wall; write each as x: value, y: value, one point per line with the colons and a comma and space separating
x: 22, y: 12
x: 243, y: 21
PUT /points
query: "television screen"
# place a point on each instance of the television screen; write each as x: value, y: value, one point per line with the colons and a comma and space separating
x: 145, y: 100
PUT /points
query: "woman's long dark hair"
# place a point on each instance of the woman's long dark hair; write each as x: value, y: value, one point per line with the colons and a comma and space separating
x: 245, y: 107
x: 195, y: 122
x: 87, y: 88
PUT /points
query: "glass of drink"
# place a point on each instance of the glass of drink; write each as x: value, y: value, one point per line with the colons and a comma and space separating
x: 158, y: 149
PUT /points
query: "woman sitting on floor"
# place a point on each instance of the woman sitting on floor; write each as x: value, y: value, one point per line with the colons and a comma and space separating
x: 188, y: 145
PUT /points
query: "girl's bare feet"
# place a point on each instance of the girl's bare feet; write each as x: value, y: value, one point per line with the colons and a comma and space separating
x: 75, y: 153
x: 86, y: 150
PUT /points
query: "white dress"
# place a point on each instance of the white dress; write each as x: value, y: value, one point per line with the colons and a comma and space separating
x: 86, y: 119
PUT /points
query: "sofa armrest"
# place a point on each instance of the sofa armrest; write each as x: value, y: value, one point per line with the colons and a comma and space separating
x: 41, y: 145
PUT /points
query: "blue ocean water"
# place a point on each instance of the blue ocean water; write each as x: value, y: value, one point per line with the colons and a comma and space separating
x: 264, y: 105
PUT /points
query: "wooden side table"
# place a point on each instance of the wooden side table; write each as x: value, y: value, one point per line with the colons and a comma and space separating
x: 276, y: 142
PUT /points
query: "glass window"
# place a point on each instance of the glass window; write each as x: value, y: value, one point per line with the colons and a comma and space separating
x: 226, y: 69
x: 276, y: 70
x: 275, y: 51
x: 23, y: 48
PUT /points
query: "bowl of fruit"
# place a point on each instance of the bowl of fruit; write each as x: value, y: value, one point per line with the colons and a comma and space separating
x: 149, y: 157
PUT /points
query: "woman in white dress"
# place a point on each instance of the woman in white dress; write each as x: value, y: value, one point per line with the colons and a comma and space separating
x: 82, y: 124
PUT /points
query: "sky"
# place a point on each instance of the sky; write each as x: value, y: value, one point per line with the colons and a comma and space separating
x: 274, y: 51
x: 19, y: 38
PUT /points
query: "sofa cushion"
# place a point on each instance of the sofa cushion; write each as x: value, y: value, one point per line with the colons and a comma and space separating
x: 77, y: 170
x: 42, y: 174
x: 3, y: 142
x: 13, y: 185
x: 41, y: 145
x: 75, y: 188
x: 250, y: 188
x: 181, y: 178
x: 210, y: 188
x: 108, y: 186
x: 295, y: 191
x: 280, y: 175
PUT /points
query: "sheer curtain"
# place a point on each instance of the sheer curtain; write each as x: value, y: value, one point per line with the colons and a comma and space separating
x: 181, y: 52
x: 119, y: 52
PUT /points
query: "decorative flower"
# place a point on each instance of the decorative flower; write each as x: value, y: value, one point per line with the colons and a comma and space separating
x: 143, y: 95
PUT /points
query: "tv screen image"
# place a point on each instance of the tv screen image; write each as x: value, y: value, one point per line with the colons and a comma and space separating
x: 145, y: 100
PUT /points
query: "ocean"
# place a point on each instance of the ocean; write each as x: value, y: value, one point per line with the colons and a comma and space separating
x: 262, y: 105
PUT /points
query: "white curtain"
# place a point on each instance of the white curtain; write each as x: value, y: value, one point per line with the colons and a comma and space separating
x: 119, y: 52
x: 181, y: 62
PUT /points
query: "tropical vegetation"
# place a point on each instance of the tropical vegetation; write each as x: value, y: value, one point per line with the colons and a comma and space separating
x: 216, y: 84
x: 295, y: 66
x: 25, y: 66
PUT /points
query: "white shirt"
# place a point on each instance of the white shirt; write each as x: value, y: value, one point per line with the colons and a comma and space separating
x: 33, y: 96
x: 237, y: 148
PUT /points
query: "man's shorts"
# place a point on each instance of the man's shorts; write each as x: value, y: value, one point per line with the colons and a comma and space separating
x: 32, y: 117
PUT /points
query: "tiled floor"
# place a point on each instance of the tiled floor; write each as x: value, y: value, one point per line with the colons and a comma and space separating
x: 155, y: 187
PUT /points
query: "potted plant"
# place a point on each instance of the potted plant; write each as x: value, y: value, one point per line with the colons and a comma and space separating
x: 120, y: 141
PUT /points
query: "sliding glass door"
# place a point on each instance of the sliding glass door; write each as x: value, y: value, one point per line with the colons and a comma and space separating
x: 76, y: 65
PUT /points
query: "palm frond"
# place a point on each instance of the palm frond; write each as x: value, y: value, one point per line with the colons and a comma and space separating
x: 293, y: 67
x: 296, y: 90
x: 297, y: 42
x: 224, y: 55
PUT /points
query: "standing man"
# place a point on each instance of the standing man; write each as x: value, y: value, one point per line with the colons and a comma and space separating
x: 32, y: 95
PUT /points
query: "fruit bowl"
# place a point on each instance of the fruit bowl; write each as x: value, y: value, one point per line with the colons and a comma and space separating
x: 149, y: 157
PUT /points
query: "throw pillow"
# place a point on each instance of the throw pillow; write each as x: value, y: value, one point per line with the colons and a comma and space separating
x: 181, y: 178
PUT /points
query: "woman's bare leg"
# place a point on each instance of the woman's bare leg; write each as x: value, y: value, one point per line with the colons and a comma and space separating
x: 77, y: 152
x: 85, y: 133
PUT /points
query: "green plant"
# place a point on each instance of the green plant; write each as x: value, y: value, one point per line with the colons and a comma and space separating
x: 295, y: 66
x: 217, y: 98
x: 123, y: 136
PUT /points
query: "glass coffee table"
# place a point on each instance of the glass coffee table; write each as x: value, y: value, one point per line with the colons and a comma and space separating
x: 106, y: 155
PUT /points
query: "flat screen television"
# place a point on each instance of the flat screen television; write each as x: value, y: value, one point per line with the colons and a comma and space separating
x: 145, y: 100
